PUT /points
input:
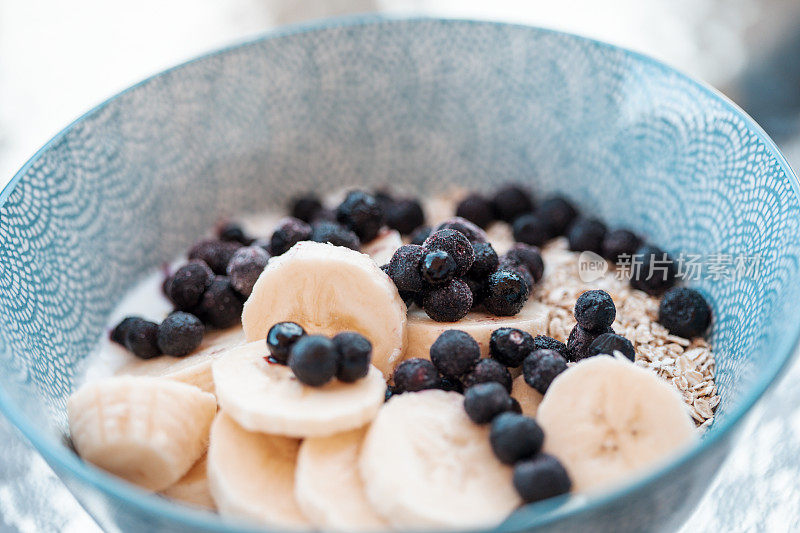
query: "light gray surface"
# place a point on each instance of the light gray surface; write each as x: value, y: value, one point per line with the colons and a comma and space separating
x: 756, y: 489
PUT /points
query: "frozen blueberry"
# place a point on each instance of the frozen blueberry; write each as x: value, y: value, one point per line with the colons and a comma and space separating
x: 120, y: 330
x: 314, y: 360
x: 188, y: 283
x: 486, y: 260
x: 437, y: 267
x: 288, y: 232
x: 220, y: 307
x: 586, y: 235
x: 514, y: 266
x: 336, y: 234
x: 451, y: 385
x: 280, y: 339
x: 362, y: 213
x: 477, y: 209
x: 579, y: 342
x: 608, y: 343
x: 530, y: 229
x: 305, y: 208
x: 448, y: 302
x: 355, y: 353
x: 419, y: 298
x: 470, y: 230
x: 515, y: 406
x: 540, y: 478
x: 477, y: 287
x: 653, y: 271
x: 684, y: 312
x: 557, y: 213
x: 405, y: 215
x: 455, y: 353
x: 595, y: 310
x: 506, y: 293
x: 231, y: 231
x: 511, y: 201
x: 407, y: 297
x: 542, y: 342
x: 421, y: 233
x: 414, y: 375
x: 541, y: 367
x: 215, y: 253
x: 529, y: 257
x: 485, y: 371
x: 385, y: 199
x: 515, y: 437
x: 388, y: 394
x: 166, y: 281
x: 620, y: 242
x: 404, y: 268
x: 324, y: 215
x: 244, y: 268
x: 180, y: 334
x: 510, y: 346
x: 141, y: 338
x: 485, y: 401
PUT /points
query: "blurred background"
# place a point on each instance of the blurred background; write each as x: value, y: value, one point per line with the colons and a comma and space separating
x: 60, y: 58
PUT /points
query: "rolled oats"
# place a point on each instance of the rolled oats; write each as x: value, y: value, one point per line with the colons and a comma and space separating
x: 688, y: 364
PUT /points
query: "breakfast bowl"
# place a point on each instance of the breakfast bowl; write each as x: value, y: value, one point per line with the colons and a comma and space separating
x: 423, y: 105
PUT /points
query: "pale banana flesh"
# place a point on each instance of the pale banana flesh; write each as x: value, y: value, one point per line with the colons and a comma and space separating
x: 149, y: 431
x: 251, y: 475
x: 192, y: 488
x: 329, y: 289
x: 528, y: 397
x: 423, y: 330
x: 328, y: 486
x: 425, y: 465
x: 607, y: 419
x: 194, y: 369
x: 267, y: 397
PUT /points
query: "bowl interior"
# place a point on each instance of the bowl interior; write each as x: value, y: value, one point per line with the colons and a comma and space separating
x: 420, y: 105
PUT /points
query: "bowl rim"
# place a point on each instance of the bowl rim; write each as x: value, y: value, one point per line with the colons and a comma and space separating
x: 62, y: 459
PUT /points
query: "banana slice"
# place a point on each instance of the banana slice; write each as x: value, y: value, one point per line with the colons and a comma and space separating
x: 149, y: 431
x: 327, y: 485
x: 426, y: 465
x: 328, y: 289
x: 251, y: 475
x: 528, y: 397
x: 423, y: 331
x: 192, y: 488
x: 267, y: 397
x: 382, y: 248
x: 193, y: 369
x: 606, y: 419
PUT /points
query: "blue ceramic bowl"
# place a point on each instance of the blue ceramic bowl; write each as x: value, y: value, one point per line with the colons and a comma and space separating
x: 422, y: 104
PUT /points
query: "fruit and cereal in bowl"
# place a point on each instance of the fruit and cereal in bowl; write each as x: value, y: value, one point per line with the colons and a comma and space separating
x: 411, y: 356
x: 434, y: 372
